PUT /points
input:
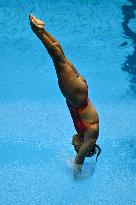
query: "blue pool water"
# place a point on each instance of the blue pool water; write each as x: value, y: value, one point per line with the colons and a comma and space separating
x: 99, y: 37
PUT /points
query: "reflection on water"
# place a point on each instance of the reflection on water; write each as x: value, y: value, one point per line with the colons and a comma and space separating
x: 130, y: 63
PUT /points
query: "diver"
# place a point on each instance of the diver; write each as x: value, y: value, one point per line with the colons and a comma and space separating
x: 75, y: 89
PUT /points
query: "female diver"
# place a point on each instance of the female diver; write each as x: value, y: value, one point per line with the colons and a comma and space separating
x: 74, y: 88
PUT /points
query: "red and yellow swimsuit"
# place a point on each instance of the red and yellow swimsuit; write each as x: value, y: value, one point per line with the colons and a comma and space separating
x: 79, y: 124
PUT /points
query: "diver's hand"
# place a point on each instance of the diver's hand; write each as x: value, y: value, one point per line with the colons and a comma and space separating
x: 77, y: 170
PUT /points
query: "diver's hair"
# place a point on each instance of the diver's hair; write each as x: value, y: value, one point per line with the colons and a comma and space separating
x: 95, y: 150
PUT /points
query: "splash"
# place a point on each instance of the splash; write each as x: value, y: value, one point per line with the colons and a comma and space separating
x: 81, y: 172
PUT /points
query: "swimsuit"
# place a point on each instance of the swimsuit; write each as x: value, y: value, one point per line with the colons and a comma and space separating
x: 80, y: 125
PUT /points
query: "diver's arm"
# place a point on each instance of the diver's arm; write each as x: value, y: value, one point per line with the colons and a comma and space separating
x: 84, y: 150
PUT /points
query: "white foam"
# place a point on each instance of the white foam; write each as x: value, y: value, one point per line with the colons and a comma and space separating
x: 87, y: 169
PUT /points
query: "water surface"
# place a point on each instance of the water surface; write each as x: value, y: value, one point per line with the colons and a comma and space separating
x: 35, y: 124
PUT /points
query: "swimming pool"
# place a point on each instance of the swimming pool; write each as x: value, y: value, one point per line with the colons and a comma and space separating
x: 98, y: 36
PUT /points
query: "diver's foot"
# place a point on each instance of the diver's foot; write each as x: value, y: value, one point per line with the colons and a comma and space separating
x: 36, y: 25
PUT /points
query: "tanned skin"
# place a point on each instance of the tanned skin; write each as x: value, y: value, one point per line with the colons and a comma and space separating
x: 72, y: 87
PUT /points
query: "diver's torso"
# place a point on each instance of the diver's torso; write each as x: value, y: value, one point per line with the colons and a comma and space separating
x: 88, y: 113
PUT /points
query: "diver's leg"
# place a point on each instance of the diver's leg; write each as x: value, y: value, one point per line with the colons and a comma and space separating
x: 53, y: 49
x: 51, y: 44
x: 53, y: 39
x: 60, y: 47
x: 37, y: 21
x: 66, y: 72
x: 50, y: 37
